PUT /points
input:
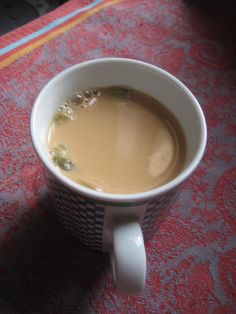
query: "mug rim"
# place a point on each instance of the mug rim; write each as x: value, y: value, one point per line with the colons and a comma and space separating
x: 110, y: 197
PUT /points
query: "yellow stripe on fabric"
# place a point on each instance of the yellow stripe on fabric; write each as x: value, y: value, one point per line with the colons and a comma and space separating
x: 54, y: 34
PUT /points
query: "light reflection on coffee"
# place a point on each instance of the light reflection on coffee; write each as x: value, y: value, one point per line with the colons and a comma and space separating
x: 116, y: 140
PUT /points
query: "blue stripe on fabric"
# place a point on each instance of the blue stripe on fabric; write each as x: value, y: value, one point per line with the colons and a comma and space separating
x: 47, y: 28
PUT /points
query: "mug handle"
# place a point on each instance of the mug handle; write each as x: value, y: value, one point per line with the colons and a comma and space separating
x: 128, y: 257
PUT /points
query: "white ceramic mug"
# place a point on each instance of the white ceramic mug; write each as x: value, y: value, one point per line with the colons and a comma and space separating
x: 114, y: 222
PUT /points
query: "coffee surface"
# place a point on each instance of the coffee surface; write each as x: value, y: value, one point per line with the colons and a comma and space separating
x: 116, y: 140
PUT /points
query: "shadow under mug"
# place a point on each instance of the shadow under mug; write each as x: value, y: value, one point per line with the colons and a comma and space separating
x: 117, y: 223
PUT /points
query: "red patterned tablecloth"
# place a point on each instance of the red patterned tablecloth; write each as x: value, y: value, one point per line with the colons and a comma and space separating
x: 192, y: 258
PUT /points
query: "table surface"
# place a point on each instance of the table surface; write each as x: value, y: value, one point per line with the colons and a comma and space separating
x: 192, y: 257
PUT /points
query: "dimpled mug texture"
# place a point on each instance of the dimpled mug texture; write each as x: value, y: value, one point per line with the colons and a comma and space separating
x: 84, y: 217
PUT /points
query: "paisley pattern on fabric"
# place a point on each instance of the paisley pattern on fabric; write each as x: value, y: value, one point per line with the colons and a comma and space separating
x: 192, y: 256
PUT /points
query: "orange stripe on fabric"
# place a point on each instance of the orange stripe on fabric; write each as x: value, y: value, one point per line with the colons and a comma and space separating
x: 55, y: 33
x: 41, y: 36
